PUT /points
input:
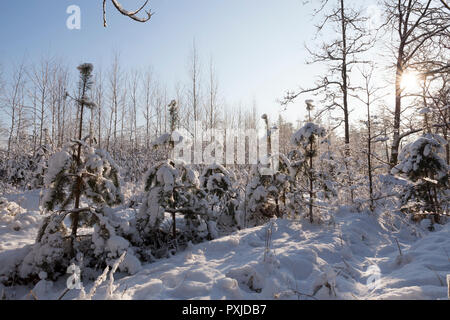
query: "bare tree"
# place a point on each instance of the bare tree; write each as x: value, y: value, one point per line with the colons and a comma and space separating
x: 340, y: 55
x: 123, y: 113
x: 134, y: 92
x: 13, y: 102
x: 369, y: 96
x: 40, y: 77
x: 213, y: 91
x: 115, y: 82
x: 416, y: 24
x: 58, y: 86
x: 194, y: 93
x: 2, y: 81
x: 99, y: 100
x: 147, y: 104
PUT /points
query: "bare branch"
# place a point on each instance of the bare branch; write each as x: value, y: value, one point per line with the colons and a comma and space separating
x: 130, y: 14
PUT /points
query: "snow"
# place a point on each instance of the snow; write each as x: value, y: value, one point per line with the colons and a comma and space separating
x: 57, y: 163
x: 357, y: 257
x: 426, y: 148
x: 302, y: 137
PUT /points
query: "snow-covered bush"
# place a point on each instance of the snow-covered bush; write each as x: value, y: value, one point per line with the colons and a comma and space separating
x: 109, y: 241
x: 17, y: 170
x: 327, y: 176
x: 268, y: 195
x: 40, y: 162
x: 420, y: 162
x: 221, y: 196
x: 8, y: 210
x: 133, y: 164
x: 174, y: 188
x: 15, y: 217
x: 52, y: 252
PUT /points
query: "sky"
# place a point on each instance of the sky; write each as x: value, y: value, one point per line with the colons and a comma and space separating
x: 257, y: 45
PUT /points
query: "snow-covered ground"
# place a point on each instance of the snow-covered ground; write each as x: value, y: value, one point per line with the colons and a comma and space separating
x: 358, y: 256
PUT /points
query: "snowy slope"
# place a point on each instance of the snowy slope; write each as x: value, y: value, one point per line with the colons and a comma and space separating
x: 301, y: 259
x: 356, y: 257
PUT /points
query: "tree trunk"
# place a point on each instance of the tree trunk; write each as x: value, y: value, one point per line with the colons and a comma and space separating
x: 79, y: 181
x: 369, y: 154
x: 344, y: 79
x: 311, y: 184
x: 398, y: 104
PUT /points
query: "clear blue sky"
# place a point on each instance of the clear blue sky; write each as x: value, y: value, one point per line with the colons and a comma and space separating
x: 257, y: 45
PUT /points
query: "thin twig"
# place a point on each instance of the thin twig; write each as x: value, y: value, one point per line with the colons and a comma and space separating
x: 298, y: 293
x: 398, y: 245
x: 33, y: 295
x: 63, y: 294
x: 437, y: 275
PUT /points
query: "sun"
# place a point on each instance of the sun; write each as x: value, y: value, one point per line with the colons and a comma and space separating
x: 410, y: 81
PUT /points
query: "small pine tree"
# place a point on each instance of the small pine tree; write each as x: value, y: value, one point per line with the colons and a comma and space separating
x: 221, y: 196
x: 40, y: 162
x: 421, y: 163
x: 327, y: 176
x: 80, y: 171
x: 79, y: 174
x: 258, y: 209
x: 173, y: 187
x: 269, y: 195
x: 307, y: 140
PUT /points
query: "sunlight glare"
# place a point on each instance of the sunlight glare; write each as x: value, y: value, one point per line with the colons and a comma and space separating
x: 410, y: 81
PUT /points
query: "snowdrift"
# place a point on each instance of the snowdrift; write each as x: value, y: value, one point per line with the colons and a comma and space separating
x: 357, y: 256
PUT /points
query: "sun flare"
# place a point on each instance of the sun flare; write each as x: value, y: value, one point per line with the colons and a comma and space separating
x: 410, y: 81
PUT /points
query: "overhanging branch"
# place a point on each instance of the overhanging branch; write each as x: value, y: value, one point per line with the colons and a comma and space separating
x: 130, y: 14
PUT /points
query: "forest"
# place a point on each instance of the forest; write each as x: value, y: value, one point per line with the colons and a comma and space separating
x: 112, y: 172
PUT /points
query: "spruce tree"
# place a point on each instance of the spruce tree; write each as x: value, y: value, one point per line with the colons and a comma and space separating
x: 173, y: 187
x: 307, y: 140
x: 81, y: 182
x: 428, y: 173
x: 221, y: 196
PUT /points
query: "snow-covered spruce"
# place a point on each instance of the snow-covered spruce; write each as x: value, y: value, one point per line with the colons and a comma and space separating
x: 307, y: 140
x: 52, y: 252
x: 284, y: 189
x: 41, y: 164
x: 265, y: 193
x: 80, y: 183
x: 109, y: 241
x: 222, y: 197
x: 96, y: 177
x: 173, y: 187
x: 307, y: 135
x: 421, y: 163
x: 327, y: 176
x: 17, y: 171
